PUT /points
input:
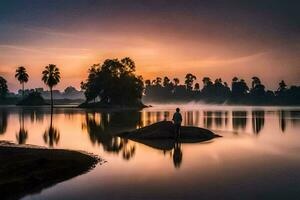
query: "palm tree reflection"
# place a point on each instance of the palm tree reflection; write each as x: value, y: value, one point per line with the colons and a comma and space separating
x: 22, y: 135
x: 51, y: 135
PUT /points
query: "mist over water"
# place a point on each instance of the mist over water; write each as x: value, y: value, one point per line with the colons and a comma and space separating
x: 257, y: 157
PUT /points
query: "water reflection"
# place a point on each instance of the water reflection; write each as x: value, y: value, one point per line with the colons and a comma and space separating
x: 177, y: 155
x: 239, y: 120
x: 3, y: 121
x: 258, y: 121
x: 22, y: 134
x: 207, y: 119
x: 101, y: 128
x: 282, y: 120
x: 218, y: 119
x: 51, y: 135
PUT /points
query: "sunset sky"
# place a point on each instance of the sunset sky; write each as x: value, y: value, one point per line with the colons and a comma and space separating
x: 167, y: 37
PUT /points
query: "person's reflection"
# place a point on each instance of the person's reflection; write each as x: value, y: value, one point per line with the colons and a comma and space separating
x: 177, y: 155
x: 22, y: 135
x: 239, y: 120
x: 258, y: 121
x: 3, y: 121
x: 282, y: 120
x: 51, y: 135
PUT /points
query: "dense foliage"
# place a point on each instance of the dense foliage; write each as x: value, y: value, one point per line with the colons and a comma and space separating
x: 33, y: 99
x: 3, y: 88
x: 114, y: 82
x: 220, y: 92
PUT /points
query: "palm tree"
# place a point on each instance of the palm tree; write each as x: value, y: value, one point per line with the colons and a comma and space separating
x: 22, y: 77
x: 51, y: 77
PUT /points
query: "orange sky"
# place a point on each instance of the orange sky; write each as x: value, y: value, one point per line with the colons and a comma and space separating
x: 169, y: 40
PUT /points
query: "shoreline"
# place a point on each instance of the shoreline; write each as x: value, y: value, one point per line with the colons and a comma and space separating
x: 28, y: 169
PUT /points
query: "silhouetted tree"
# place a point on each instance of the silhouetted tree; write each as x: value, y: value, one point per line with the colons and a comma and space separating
x: 3, y: 121
x: 51, y: 77
x: 176, y: 81
x: 3, y: 88
x: 158, y: 81
x: 258, y: 90
x: 114, y: 82
x: 239, y: 88
x: 282, y: 86
x: 189, y: 80
x: 147, y: 82
x: 22, y: 77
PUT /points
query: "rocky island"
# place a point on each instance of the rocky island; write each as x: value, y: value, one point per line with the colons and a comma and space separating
x: 160, y: 135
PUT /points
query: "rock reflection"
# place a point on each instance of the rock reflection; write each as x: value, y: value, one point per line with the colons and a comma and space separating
x: 258, y: 121
x: 52, y: 135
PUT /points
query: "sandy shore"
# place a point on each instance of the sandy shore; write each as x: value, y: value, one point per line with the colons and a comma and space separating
x: 27, y: 169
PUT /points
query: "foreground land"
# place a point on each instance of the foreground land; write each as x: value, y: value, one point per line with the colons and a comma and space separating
x: 29, y: 169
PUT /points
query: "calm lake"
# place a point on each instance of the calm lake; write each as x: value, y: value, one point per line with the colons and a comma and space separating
x: 258, y: 156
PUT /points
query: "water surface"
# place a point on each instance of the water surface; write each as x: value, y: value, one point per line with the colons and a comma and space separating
x: 258, y: 156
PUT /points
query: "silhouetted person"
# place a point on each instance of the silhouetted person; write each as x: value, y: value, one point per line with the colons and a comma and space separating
x: 177, y: 119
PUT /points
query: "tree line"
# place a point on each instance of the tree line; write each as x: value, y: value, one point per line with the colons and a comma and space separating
x: 114, y: 82
x: 162, y: 90
x: 50, y: 76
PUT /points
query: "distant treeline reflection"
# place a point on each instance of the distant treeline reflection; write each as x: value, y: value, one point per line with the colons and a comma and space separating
x: 102, y: 128
x: 164, y: 90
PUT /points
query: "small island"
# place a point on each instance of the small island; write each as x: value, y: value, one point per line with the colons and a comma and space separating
x: 113, y: 85
x: 27, y: 169
x: 160, y: 135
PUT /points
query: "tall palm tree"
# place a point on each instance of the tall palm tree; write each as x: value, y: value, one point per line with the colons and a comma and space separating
x: 51, y: 77
x: 22, y: 77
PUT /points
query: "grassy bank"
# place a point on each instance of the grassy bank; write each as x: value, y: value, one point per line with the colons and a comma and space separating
x: 29, y: 169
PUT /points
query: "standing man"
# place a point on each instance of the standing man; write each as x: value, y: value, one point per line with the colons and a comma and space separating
x: 177, y: 119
